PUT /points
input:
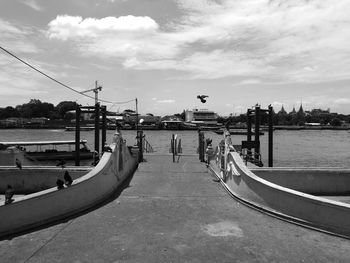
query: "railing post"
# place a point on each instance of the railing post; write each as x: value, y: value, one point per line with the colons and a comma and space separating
x: 77, y: 135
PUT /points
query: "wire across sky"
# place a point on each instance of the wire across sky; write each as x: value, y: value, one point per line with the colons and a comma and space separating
x: 59, y: 82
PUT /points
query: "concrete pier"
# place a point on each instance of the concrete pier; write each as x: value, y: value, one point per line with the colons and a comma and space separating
x: 174, y: 212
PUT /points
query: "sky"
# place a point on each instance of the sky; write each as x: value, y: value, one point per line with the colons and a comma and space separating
x: 166, y: 52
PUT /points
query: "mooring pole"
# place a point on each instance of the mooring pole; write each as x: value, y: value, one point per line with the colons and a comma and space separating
x: 249, y: 126
x: 77, y: 135
x: 173, y: 146
x: 104, y: 125
x: 97, y: 128
x: 270, y: 142
x: 249, y: 131
x: 201, y: 145
x: 139, y: 138
x: 257, y: 130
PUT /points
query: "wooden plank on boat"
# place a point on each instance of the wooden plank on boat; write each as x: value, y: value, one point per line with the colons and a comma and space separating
x: 41, y: 143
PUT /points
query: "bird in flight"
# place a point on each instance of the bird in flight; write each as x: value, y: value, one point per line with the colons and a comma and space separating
x: 202, y: 98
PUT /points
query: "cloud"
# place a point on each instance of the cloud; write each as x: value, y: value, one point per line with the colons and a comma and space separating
x: 17, y: 38
x: 250, y: 81
x: 342, y: 101
x: 32, y: 4
x: 278, y: 105
x: 282, y: 41
x: 165, y: 101
x: 66, y: 27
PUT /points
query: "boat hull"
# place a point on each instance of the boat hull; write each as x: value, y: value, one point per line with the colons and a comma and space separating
x: 52, y: 156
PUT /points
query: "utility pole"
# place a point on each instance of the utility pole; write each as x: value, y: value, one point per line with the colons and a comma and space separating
x: 97, y: 115
x: 95, y: 90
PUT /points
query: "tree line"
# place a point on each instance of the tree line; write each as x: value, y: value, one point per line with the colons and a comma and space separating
x: 294, y: 119
x: 35, y: 108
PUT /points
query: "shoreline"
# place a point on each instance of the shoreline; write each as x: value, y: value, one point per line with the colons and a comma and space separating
x: 277, y: 127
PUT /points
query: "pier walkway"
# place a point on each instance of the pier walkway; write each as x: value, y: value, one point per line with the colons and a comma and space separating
x: 174, y: 212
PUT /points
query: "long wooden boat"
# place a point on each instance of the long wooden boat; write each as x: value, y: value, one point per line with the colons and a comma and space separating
x: 237, y: 132
x: 51, y: 150
x: 84, y: 128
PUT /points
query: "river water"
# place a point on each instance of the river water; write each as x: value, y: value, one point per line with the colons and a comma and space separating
x: 323, y: 148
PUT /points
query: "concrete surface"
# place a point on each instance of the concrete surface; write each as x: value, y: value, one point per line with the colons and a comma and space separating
x: 175, y: 213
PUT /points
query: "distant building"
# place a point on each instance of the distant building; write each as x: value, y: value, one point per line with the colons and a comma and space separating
x: 148, y: 119
x: 204, y: 116
x: 39, y: 120
x: 293, y: 111
x: 83, y: 115
x: 282, y: 111
x: 301, y: 110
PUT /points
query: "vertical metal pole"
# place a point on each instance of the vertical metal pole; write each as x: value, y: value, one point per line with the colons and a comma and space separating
x: 104, y: 125
x: 249, y: 131
x: 257, y: 130
x: 96, y: 93
x: 137, y: 115
x: 201, y: 146
x: 173, y: 146
x: 97, y: 127
x: 77, y: 135
x: 270, y: 147
x: 140, y: 144
x: 249, y: 126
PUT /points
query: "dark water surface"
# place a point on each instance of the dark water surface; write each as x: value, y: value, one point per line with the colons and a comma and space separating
x: 324, y: 148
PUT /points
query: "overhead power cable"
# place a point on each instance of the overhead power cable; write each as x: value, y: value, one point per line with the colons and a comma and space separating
x: 59, y: 82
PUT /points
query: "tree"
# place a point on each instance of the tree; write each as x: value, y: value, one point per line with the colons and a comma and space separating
x: 335, y: 122
x: 8, y: 112
x: 35, y: 108
x: 65, y: 106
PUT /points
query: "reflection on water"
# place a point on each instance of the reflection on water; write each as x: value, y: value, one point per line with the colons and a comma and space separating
x: 291, y: 148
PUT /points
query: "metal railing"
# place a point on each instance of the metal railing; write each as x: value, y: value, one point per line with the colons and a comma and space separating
x: 147, y: 147
x: 175, y: 147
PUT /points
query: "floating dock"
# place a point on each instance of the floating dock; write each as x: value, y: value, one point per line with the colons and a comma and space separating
x: 174, y: 212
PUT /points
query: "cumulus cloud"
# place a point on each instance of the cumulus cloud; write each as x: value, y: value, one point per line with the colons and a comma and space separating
x: 284, y: 41
x: 64, y: 27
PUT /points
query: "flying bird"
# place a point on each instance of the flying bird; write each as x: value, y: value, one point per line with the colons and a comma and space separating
x: 202, y: 98
x: 18, y: 164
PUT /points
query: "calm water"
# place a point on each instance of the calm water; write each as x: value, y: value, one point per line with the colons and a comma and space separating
x: 291, y: 148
